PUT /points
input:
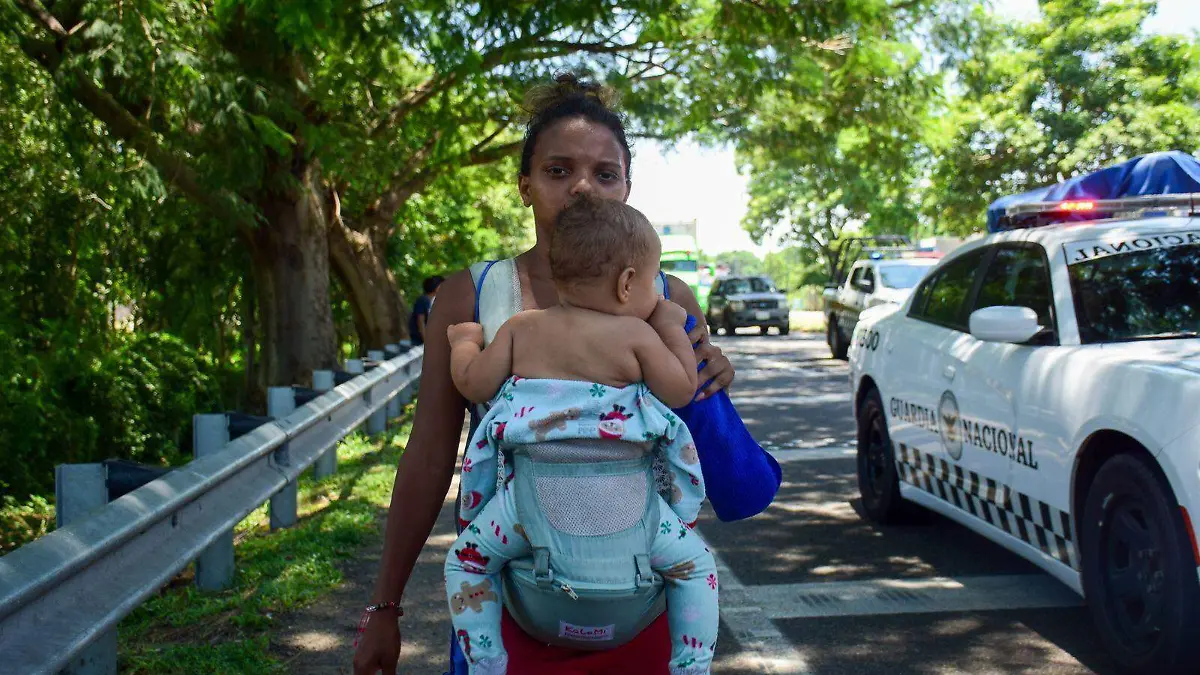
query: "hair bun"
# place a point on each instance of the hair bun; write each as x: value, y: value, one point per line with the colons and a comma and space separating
x: 567, y: 86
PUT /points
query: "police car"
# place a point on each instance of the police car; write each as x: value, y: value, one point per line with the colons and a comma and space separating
x: 1041, y: 386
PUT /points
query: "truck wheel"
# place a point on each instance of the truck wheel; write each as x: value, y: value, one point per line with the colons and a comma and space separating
x: 878, y: 477
x: 784, y: 329
x: 833, y: 336
x: 1139, y: 569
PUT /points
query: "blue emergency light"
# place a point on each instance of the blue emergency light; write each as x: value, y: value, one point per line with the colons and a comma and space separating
x: 1149, y: 184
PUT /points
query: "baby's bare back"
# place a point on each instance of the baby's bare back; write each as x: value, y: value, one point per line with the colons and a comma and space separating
x: 573, y: 344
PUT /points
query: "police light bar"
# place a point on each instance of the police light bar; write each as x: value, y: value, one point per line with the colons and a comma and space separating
x: 1183, y: 204
x: 1182, y: 201
x: 1077, y: 206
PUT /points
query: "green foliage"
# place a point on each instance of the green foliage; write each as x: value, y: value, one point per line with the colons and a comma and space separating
x: 474, y: 215
x: 836, y: 142
x: 130, y: 396
x: 739, y: 262
x: 115, y: 325
x: 23, y: 521
x: 1039, y: 102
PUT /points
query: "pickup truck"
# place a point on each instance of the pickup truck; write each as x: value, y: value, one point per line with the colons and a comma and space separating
x: 869, y: 283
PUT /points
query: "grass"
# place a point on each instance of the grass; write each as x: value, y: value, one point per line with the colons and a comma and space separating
x: 183, y: 630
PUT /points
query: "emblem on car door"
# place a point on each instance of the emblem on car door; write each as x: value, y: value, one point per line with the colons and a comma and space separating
x: 948, y: 425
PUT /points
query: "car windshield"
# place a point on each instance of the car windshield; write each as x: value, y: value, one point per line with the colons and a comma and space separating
x: 679, y: 265
x: 739, y: 286
x: 901, y: 275
x: 1141, y: 295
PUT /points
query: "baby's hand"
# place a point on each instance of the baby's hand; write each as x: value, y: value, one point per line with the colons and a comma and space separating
x: 667, y: 316
x: 465, y: 332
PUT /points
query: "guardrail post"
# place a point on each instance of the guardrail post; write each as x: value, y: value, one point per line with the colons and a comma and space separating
x: 377, y: 422
x: 281, y: 402
x: 214, y: 566
x: 80, y: 489
x: 393, y: 404
x: 406, y: 392
x: 354, y: 368
x: 326, y: 464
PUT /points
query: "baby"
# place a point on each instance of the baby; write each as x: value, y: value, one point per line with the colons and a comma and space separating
x: 603, y: 366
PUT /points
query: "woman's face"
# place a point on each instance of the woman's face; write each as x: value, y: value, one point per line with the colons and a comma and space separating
x: 570, y: 157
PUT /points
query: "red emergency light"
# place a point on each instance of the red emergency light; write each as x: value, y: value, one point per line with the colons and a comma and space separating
x: 1077, y: 206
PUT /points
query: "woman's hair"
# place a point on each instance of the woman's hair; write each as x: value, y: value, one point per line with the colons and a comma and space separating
x: 570, y: 97
x: 594, y: 238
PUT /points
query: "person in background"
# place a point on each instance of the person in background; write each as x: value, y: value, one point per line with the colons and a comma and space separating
x: 419, y: 320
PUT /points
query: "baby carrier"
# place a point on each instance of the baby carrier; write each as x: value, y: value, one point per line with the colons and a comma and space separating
x: 596, y: 590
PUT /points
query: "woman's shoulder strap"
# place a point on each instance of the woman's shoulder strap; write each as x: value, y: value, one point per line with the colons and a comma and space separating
x: 497, y: 294
x: 661, y: 285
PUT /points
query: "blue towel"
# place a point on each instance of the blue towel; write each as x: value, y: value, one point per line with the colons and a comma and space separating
x: 740, y: 478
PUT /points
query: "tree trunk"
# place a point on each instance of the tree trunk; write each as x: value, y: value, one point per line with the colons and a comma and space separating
x: 290, y: 253
x: 360, y: 263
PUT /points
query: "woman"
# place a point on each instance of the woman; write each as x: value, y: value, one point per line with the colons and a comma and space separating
x: 574, y: 144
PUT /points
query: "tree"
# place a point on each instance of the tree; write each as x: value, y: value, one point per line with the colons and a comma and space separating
x: 305, y: 129
x: 841, y: 150
x: 739, y: 262
x: 1084, y: 87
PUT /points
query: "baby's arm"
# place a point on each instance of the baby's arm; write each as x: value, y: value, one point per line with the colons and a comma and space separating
x: 666, y: 358
x: 477, y: 372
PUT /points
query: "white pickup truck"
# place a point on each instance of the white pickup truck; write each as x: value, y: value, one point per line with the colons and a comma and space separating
x: 868, y: 283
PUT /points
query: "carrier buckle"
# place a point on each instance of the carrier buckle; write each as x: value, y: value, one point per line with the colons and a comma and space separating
x: 543, y: 576
x: 645, y: 574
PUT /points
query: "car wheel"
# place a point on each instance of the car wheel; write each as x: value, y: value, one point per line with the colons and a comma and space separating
x: 878, y: 477
x: 837, y: 345
x: 727, y: 324
x: 1139, y: 569
x: 784, y: 329
x: 763, y: 330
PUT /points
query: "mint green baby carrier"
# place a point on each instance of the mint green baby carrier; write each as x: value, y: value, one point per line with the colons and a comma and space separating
x: 596, y: 590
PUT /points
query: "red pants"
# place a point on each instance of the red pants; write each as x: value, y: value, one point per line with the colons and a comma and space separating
x: 647, y: 654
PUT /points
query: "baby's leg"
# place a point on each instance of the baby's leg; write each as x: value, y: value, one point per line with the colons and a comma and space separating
x: 473, y: 583
x: 690, y: 571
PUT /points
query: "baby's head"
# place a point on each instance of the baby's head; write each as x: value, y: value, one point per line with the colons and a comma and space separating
x: 604, y: 255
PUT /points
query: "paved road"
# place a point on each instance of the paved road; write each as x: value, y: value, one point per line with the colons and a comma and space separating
x: 811, y: 587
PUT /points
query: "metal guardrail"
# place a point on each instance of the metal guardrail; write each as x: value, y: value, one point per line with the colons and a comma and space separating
x: 60, y: 592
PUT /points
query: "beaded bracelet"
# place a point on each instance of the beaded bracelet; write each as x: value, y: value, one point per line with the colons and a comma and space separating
x: 371, y: 609
x: 391, y: 604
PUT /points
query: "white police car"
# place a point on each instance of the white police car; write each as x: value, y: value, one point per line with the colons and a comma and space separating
x: 1042, y: 387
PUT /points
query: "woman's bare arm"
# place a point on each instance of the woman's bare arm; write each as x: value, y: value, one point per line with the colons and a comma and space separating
x: 424, y: 471
x: 718, y: 369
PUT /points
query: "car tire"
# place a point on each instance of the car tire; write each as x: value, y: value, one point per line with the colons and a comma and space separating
x: 763, y: 330
x: 727, y: 324
x: 1139, y: 569
x: 837, y: 344
x: 784, y: 329
x: 878, y: 475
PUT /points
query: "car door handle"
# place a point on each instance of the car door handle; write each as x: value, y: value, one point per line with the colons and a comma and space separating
x: 949, y: 372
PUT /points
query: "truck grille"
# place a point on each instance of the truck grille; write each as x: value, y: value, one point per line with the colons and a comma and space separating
x: 761, y: 304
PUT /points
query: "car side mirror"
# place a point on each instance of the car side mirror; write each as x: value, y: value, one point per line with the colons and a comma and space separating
x: 1004, y: 324
x: 867, y: 285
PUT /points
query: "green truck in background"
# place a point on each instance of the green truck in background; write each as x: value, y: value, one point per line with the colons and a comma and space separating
x: 681, y: 258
